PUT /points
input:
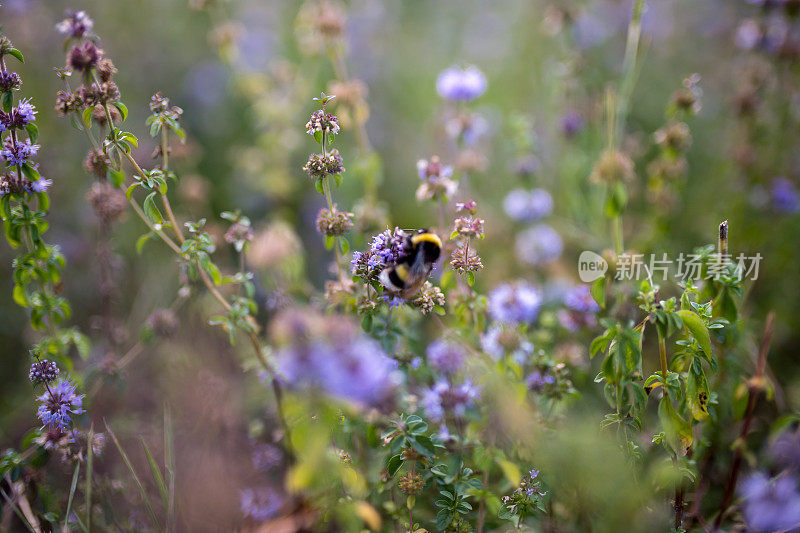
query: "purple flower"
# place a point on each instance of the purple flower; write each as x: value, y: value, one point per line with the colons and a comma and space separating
x: 26, y: 111
x: 539, y: 382
x: 579, y: 298
x: 512, y: 303
x: 260, y: 503
x: 770, y: 505
x: 44, y: 371
x: 528, y: 206
x: 76, y: 24
x: 19, y: 154
x: 433, y: 170
x: 58, y: 404
x: 393, y: 301
x: 340, y: 361
x: 748, y: 34
x: 445, y: 398
x: 501, y: 340
x: 785, y: 198
x: 9, y: 81
x: 446, y: 356
x: 267, y: 457
x: 539, y: 244
x: 571, y: 123
x: 786, y: 450
x: 461, y: 85
x: 41, y: 185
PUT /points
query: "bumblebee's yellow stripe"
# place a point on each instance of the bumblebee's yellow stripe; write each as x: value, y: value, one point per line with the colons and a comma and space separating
x: 426, y: 237
x: 402, y: 272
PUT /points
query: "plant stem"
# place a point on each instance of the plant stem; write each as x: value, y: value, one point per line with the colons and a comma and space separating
x: 662, y: 351
x: 755, y: 386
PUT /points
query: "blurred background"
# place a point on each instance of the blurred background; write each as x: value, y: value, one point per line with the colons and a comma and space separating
x: 245, y: 71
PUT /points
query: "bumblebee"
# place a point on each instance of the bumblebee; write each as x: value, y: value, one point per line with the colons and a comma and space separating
x: 423, y: 249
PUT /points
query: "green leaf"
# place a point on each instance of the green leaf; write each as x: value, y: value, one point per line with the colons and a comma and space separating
x: 88, y: 490
x: 423, y: 445
x: 329, y: 240
x: 33, y: 131
x: 20, y: 296
x: 697, y: 392
x: 694, y: 324
x: 116, y: 178
x: 141, y: 241
x: 366, y: 323
x: 72, y: 487
x: 394, y: 464
x: 130, y: 189
x: 319, y: 186
x: 16, y: 53
x: 151, y: 210
x: 157, y: 477
x: 598, y: 291
x: 677, y: 431
x: 123, y: 110
x: 8, y: 102
x: 471, y: 278
x: 86, y: 117
x: 444, y: 518
x: 344, y: 246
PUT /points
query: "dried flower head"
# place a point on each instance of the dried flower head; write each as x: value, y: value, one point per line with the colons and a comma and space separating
x: 108, y: 202
x: 96, y: 162
x: 319, y: 165
x: 105, y: 69
x: 464, y: 259
x: 411, y: 483
x: 67, y: 102
x: 84, y: 56
x: 612, y: 167
x: 334, y: 223
x: 675, y: 135
x: 164, y: 322
x: 428, y: 298
x: 323, y: 122
x: 468, y: 226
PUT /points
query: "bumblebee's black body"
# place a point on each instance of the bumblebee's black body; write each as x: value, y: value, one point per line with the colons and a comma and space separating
x: 412, y: 270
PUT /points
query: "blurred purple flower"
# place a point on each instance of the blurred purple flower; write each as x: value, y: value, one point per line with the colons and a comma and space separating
x: 446, y: 356
x: 539, y: 382
x: 461, y: 85
x: 528, y: 206
x: 344, y: 364
x: 58, y: 404
x: 260, y: 503
x: 748, y: 34
x: 785, y: 450
x: 445, y: 398
x: 76, y: 24
x: 571, y: 123
x: 512, y: 303
x: 770, y: 505
x: 579, y: 298
x: 785, y: 198
x: 501, y: 340
x: 266, y: 457
x: 539, y: 244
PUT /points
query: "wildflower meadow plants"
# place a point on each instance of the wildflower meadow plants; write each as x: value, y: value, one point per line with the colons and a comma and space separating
x: 422, y: 304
